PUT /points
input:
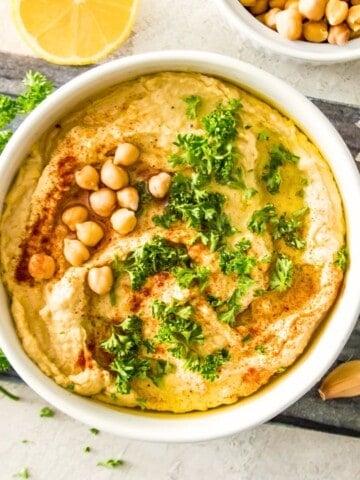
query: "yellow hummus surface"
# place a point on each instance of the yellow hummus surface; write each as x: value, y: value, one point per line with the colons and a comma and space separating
x: 62, y: 323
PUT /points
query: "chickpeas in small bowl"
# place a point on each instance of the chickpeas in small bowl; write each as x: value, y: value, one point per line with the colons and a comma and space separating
x: 320, y: 31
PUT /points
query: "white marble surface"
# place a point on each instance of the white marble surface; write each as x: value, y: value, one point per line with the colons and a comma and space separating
x: 55, y: 445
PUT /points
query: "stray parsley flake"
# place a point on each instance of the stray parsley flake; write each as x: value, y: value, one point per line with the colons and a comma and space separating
x: 4, y: 362
x: 8, y: 394
x: 111, y: 463
x: 24, y: 473
x: 47, y: 412
x: 282, y: 275
x: 260, y: 349
x: 246, y: 338
x: 87, y: 449
x: 341, y: 258
x: 94, y: 431
x: 193, y: 103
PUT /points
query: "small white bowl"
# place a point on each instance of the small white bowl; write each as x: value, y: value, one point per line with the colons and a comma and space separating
x: 308, y: 370
x: 271, y: 40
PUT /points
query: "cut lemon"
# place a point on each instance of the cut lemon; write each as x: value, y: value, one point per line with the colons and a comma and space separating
x: 74, y: 32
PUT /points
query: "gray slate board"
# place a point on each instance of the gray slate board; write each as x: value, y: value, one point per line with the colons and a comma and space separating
x: 337, y: 416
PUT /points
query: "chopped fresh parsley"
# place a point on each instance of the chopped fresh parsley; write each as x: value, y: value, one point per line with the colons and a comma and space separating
x: 24, y: 474
x: 246, y: 338
x: 111, y: 463
x: 341, y: 258
x: 209, y: 366
x: 8, y: 110
x: 282, y: 275
x: 228, y: 310
x: 288, y: 228
x: 271, y: 172
x: 186, y: 277
x: 282, y: 226
x: 4, y: 362
x: 200, y: 209
x: 260, y: 218
x: 193, y: 103
x: 236, y: 260
x: 37, y: 88
x: 47, y: 412
x: 260, y: 349
x: 8, y: 394
x: 177, y: 330
x: 149, y: 259
x: 87, y: 449
x: 182, y: 334
x: 94, y: 431
x: 213, y: 155
x: 124, y: 344
x: 263, y: 136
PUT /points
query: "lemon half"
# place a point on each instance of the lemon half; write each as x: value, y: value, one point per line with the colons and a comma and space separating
x: 74, y: 32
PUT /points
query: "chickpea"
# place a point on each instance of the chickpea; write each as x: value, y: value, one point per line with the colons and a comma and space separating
x: 339, y: 34
x: 103, y: 202
x: 292, y: 4
x: 75, y: 252
x: 336, y: 11
x: 123, y: 221
x: 126, y: 154
x: 316, y: 32
x: 89, y: 233
x: 353, y: 18
x: 41, y: 266
x: 248, y: 3
x: 159, y: 184
x: 270, y: 17
x: 277, y: 4
x: 289, y: 24
x: 114, y: 177
x: 312, y: 9
x: 260, y: 7
x: 87, y: 178
x: 74, y: 215
x: 128, y: 197
x: 100, y: 279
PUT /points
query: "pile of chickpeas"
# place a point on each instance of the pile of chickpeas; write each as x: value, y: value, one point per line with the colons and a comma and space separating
x: 317, y: 21
x: 111, y: 196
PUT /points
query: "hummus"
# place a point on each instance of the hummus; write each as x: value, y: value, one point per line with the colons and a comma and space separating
x: 214, y: 284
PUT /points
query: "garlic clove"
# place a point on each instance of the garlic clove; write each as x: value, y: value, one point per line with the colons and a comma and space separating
x: 343, y: 381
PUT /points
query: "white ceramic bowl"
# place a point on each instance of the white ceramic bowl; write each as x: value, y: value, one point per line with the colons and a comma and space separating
x: 310, y: 368
x: 271, y: 40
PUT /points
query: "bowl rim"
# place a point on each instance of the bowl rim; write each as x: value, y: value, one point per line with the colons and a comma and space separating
x: 325, y: 53
x: 225, y: 421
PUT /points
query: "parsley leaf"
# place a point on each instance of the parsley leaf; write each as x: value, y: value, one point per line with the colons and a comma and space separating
x: 5, y: 136
x: 282, y: 276
x: 341, y: 258
x: 288, y: 228
x: 186, y: 277
x: 260, y: 218
x: 4, y: 362
x: 94, y: 431
x: 8, y: 110
x: 200, y: 209
x: 213, y: 154
x: 177, y: 329
x: 38, y: 87
x: 24, y: 473
x: 111, y: 463
x: 151, y: 258
x: 124, y: 344
x: 47, y: 412
x: 236, y: 261
x: 271, y: 171
x: 193, y: 103
x: 209, y: 365
x: 263, y: 136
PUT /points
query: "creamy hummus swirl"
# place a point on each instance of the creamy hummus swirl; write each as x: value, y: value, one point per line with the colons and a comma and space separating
x: 256, y: 333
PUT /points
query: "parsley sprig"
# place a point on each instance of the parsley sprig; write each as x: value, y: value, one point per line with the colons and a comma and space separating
x: 287, y: 227
x: 4, y: 362
x: 282, y: 275
x: 271, y: 175
x: 212, y: 155
x: 37, y: 88
x: 182, y: 334
x: 128, y: 364
x: 193, y: 103
x: 199, y: 208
